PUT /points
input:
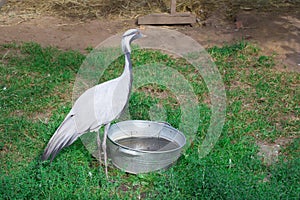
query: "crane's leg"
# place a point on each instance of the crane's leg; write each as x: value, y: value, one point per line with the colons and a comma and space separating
x: 104, y: 147
x: 99, y: 145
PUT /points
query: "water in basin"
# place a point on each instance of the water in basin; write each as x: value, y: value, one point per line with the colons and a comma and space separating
x: 148, y: 143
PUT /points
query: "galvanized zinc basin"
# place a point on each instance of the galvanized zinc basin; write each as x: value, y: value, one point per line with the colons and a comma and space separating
x: 138, y: 146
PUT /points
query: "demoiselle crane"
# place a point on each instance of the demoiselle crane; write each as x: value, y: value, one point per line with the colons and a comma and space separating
x: 96, y: 107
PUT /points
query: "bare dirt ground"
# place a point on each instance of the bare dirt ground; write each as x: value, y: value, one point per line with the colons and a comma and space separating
x: 277, y: 33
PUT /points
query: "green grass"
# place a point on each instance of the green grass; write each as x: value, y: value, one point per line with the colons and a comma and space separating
x: 262, y: 105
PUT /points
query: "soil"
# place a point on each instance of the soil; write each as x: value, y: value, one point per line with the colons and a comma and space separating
x: 277, y: 33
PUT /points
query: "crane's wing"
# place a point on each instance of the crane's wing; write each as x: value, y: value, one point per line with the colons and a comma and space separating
x: 64, y: 136
x: 97, y: 106
x: 79, y: 121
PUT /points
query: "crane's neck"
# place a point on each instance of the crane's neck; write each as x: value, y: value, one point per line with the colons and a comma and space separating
x: 128, y: 67
x: 127, y: 73
x: 126, y: 45
x: 128, y: 64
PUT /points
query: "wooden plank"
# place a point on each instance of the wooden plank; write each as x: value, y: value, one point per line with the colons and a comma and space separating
x: 173, y: 7
x: 167, y: 19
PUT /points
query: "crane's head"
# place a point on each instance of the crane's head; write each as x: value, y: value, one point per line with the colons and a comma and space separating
x: 128, y: 37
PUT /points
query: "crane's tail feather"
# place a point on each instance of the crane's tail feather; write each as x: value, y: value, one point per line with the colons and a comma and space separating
x: 64, y: 136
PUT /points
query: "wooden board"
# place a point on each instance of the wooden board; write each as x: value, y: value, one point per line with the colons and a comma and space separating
x: 173, y: 7
x: 178, y: 18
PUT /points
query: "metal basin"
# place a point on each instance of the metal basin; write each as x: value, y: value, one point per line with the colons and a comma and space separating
x: 137, y: 146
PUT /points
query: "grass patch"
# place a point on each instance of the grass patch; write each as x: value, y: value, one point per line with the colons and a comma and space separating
x: 35, y: 89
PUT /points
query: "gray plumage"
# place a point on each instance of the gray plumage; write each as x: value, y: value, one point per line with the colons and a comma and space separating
x: 96, y: 107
